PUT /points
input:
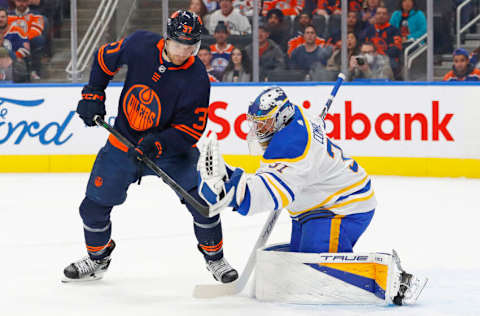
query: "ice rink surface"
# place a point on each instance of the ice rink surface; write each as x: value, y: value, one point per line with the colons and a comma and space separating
x: 433, y: 223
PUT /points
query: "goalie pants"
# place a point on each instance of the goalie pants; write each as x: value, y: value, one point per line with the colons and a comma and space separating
x: 111, y: 176
x: 336, y: 233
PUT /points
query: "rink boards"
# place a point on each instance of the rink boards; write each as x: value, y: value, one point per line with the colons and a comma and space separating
x: 390, y: 129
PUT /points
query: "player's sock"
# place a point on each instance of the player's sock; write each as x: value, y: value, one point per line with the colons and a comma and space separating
x: 88, y: 269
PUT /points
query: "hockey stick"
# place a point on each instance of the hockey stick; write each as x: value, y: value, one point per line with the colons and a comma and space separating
x: 202, y: 209
x: 216, y: 290
x: 338, y: 83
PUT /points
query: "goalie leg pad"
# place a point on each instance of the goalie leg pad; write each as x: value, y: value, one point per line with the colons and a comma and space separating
x: 326, y: 278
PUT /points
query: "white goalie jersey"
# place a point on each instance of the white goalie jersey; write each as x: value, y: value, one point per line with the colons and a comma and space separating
x: 306, y: 173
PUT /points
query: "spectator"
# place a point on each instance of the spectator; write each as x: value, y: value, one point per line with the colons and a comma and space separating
x: 334, y: 63
x: 411, y: 21
x: 198, y: 7
x: 368, y: 13
x: 34, y: 23
x: 369, y: 64
x: 354, y: 25
x: 11, y: 70
x: 245, y: 7
x: 288, y: 7
x: 386, y: 38
x: 279, y: 29
x: 238, y: 69
x: 205, y: 56
x: 271, y: 56
x: 462, y: 69
x: 221, y: 50
x: 299, y: 40
x: 6, y: 65
x: 328, y: 7
x: 13, y: 38
x: 307, y: 55
x: 236, y: 23
x: 304, y: 19
x: 211, y: 5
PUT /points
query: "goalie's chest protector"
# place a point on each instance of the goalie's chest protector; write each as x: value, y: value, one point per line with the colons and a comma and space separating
x: 301, y: 162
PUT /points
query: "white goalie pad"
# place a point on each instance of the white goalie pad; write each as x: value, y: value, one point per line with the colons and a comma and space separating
x: 326, y: 278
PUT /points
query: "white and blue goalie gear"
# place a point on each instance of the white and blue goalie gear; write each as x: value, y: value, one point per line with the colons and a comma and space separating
x: 218, y: 184
x: 269, y: 113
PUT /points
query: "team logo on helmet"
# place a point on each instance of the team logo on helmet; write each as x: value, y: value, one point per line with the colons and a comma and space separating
x: 184, y: 27
x: 270, y: 112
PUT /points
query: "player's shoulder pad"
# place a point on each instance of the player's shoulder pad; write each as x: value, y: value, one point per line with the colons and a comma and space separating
x: 292, y: 141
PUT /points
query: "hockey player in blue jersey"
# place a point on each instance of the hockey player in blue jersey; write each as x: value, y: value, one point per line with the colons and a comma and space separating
x: 163, y: 110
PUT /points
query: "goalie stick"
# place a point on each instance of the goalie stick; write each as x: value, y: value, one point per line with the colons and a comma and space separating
x: 202, y: 209
x: 216, y: 290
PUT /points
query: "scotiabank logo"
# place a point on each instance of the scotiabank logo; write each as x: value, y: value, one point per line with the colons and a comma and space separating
x: 386, y: 126
x: 401, y: 122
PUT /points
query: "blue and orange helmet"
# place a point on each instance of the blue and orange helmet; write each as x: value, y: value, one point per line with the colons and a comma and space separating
x: 184, y: 27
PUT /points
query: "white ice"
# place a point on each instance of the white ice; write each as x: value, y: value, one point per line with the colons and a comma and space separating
x: 433, y: 223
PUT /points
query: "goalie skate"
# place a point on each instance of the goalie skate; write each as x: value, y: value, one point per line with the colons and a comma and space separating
x: 88, y: 269
x: 222, y: 271
x: 408, y: 287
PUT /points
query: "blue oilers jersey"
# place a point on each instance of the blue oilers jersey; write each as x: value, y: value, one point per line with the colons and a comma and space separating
x: 157, y: 96
x: 303, y: 171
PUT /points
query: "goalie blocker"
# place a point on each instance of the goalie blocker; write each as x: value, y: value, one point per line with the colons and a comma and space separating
x: 333, y: 278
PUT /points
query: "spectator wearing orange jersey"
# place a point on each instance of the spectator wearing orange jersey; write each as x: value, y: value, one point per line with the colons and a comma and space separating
x: 462, y: 69
x: 33, y: 24
x: 299, y: 40
x: 288, y: 7
x: 13, y: 38
x: 386, y: 38
x: 307, y: 55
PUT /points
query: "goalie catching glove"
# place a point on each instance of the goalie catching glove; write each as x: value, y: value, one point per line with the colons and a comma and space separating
x: 219, y: 184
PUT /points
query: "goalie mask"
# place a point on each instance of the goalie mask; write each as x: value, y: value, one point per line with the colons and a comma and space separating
x: 269, y: 113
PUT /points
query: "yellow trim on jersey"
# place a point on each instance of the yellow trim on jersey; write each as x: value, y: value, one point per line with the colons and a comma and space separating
x: 307, y: 147
x: 283, y: 196
x: 335, y: 233
x: 331, y: 197
x: 352, y: 201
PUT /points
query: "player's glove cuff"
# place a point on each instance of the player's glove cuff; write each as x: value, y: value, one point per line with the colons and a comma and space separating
x: 92, y: 104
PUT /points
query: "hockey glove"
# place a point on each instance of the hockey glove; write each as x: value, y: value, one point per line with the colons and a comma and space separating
x: 92, y: 104
x: 148, y: 146
x: 218, y: 184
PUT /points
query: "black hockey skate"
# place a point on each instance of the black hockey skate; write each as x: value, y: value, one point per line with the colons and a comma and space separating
x: 222, y: 271
x: 409, y: 286
x: 87, y: 269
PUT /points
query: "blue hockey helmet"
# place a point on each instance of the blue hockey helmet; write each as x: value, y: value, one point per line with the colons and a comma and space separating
x: 184, y: 27
x: 269, y: 113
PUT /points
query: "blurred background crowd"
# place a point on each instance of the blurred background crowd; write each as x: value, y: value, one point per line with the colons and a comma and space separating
x: 298, y: 40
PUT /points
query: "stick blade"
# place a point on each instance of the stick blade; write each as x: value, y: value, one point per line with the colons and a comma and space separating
x: 217, y: 290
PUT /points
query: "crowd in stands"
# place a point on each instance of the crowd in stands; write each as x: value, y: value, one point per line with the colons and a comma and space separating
x: 26, y: 30
x: 301, y: 39
x: 298, y: 39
